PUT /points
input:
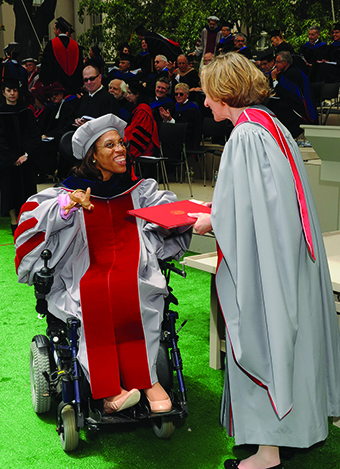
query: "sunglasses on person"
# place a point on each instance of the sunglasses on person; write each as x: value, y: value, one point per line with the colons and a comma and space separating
x: 179, y: 94
x: 85, y: 80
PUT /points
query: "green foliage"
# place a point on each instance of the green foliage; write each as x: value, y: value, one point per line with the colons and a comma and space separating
x: 168, y: 18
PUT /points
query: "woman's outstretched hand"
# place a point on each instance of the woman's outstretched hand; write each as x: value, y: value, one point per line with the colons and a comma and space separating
x: 79, y: 197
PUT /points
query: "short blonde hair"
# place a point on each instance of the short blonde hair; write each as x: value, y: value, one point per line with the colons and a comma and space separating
x: 234, y: 80
x: 182, y: 86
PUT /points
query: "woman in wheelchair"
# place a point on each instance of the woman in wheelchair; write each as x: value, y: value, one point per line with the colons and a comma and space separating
x: 105, y: 263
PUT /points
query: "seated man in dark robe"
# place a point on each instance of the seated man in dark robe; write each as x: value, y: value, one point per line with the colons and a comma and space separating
x: 162, y: 100
x: 96, y: 102
x: 240, y: 46
x: 118, y: 88
x: 292, y: 102
x: 267, y: 63
x: 184, y: 73
x: 185, y: 111
x: 124, y: 68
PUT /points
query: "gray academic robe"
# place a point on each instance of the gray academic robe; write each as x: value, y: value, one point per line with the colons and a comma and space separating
x: 282, y: 375
x: 41, y: 226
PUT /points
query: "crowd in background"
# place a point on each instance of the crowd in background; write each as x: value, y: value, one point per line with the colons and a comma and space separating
x: 159, y: 85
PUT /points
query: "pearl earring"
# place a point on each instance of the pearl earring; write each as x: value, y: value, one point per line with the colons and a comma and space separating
x: 94, y: 161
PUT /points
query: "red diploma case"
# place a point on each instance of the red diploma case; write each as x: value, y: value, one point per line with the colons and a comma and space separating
x: 171, y: 215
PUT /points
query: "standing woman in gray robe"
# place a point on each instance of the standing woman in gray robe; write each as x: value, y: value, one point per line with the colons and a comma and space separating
x: 282, y: 349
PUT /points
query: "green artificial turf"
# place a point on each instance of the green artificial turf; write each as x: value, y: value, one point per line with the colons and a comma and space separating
x: 30, y: 441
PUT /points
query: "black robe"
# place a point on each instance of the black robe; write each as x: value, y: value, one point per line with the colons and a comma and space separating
x: 51, y: 70
x: 19, y: 134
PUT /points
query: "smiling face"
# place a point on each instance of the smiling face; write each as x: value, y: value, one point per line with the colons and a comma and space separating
x: 225, y: 31
x: 181, y: 96
x: 336, y: 35
x: 90, y: 73
x: 11, y: 95
x: 110, y: 154
x: 114, y: 88
x: 161, y: 89
x: 220, y: 110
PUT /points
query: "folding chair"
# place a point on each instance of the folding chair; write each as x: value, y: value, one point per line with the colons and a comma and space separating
x: 159, y: 162
x: 330, y: 92
x: 212, y: 130
x: 172, y: 147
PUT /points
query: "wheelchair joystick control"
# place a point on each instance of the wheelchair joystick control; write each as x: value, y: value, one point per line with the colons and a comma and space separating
x: 43, y: 281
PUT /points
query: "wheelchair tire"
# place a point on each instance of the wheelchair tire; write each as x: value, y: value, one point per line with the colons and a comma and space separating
x: 39, y: 362
x: 69, y: 435
x: 163, y: 427
x: 164, y: 368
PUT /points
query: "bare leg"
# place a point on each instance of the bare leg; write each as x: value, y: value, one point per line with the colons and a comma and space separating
x: 266, y: 457
x: 13, y: 216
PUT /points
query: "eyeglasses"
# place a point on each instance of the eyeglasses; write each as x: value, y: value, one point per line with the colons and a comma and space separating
x: 157, y: 61
x: 112, y: 145
x: 85, y: 80
x: 179, y: 94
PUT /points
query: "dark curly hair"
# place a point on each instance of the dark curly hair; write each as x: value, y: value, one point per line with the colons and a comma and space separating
x: 87, y: 168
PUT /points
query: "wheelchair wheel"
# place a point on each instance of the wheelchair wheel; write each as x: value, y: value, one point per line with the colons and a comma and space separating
x: 163, y: 427
x: 69, y: 435
x: 39, y: 362
x: 164, y: 368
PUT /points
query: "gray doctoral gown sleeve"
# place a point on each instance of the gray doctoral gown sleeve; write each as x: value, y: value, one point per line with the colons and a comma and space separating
x: 282, y: 333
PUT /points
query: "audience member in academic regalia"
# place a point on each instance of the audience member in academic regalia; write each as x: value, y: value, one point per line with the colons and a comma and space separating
x: 60, y: 111
x: 279, y: 43
x: 62, y: 59
x: 162, y: 101
x: 267, y: 63
x: 292, y: 102
x: 144, y: 60
x: 96, y: 102
x: 123, y: 72
x: 327, y: 66
x: 95, y: 53
x: 185, y: 74
x: 311, y: 49
x: 118, y: 88
x: 141, y: 131
x: 39, y: 107
x: 19, y: 150
x: 30, y: 65
x: 240, y: 46
x: 11, y: 67
x: 226, y: 43
x: 208, y: 39
x: 185, y: 111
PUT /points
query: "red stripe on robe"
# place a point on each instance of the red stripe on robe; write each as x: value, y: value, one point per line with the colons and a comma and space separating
x: 265, y: 119
x: 109, y: 297
x: 27, y: 247
x: 67, y: 57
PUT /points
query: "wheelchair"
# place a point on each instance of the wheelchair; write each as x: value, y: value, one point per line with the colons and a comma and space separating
x: 55, y: 373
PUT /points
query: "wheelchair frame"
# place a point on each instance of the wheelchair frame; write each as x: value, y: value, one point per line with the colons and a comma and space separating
x: 56, y: 374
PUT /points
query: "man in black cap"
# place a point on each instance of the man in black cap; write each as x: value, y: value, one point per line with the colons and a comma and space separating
x: 267, y: 60
x: 124, y: 67
x: 62, y: 59
x: 11, y: 67
x: 30, y: 65
x: 209, y: 38
x: 226, y: 43
x: 279, y: 43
